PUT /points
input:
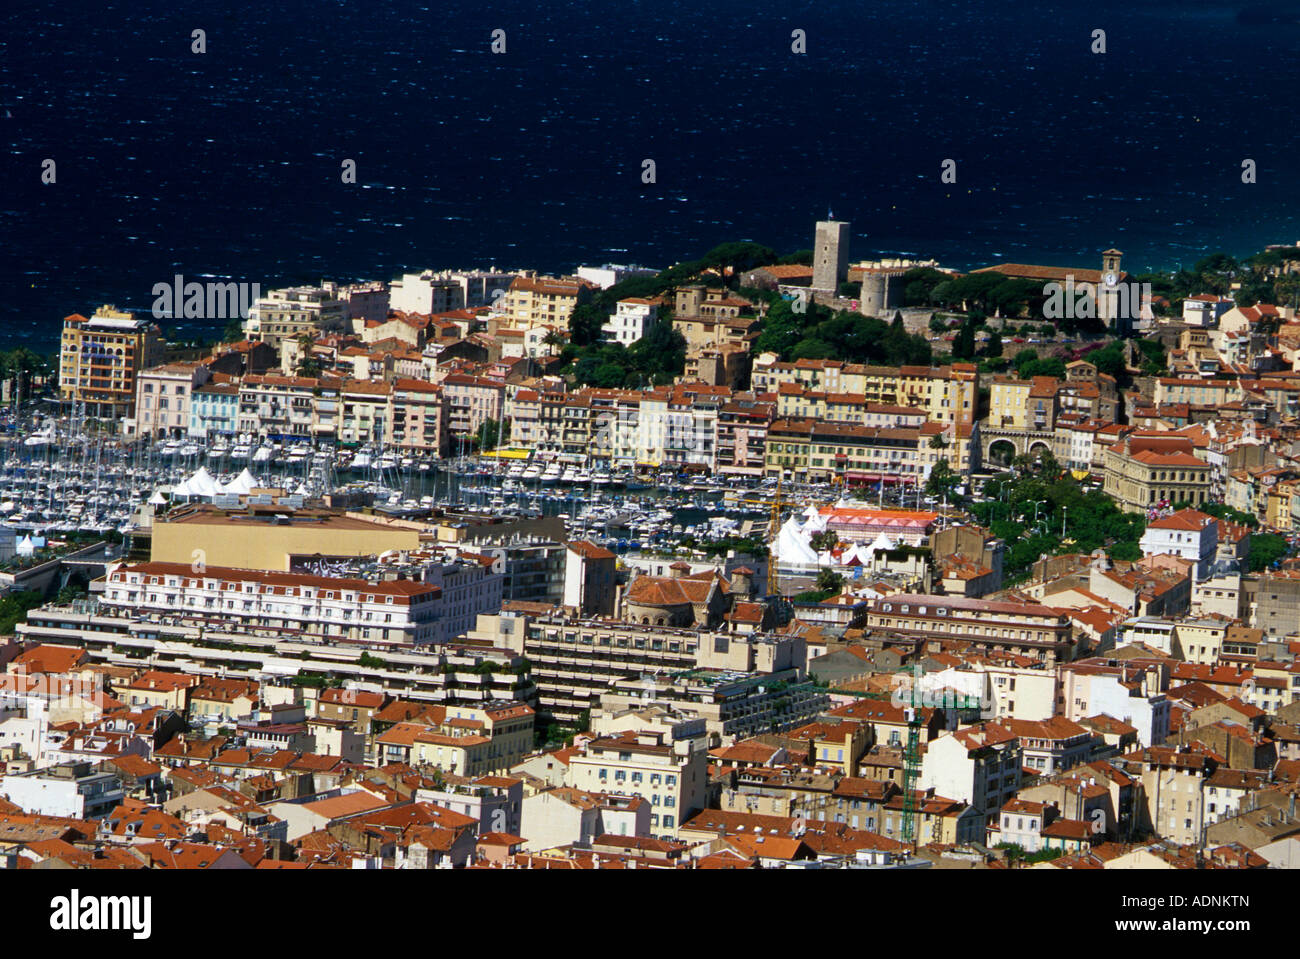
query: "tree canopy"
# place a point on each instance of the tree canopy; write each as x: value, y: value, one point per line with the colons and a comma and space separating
x: 1267, y: 549
x: 1027, y: 511
x: 820, y: 333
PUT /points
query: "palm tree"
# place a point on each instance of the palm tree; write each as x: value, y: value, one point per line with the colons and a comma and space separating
x: 307, y: 365
x: 554, y: 338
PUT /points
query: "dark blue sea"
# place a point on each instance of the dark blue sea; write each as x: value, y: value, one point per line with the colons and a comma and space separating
x: 227, y: 164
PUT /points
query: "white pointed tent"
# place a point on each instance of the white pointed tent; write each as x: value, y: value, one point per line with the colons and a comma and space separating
x: 857, y: 555
x: 202, y: 483
x: 882, y: 543
x: 792, y: 547
x: 26, y: 547
x: 157, y: 499
x: 241, y: 485
x: 814, y: 521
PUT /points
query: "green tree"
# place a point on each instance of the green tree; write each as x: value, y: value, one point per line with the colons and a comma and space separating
x: 660, y: 355
x: 919, y: 285
x: 308, y: 365
x: 738, y: 257
x: 1216, y: 272
x: 585, y: 322
x: 490, y: 434
x: 824, y: 541
x: 555, y: 341
x: 1154, y: 360
x: 1286, y: 289
x: 14, y: 608
x: 829, y: 581
x: 1109, y: 360
x: 943, y: 480
x: 1266, y: 550
x: 69, y: 593
x: 963, y: 346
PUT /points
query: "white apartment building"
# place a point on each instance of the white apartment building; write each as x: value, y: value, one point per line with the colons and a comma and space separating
x: 72, y: 790
x: 1218, y: 596
x: 285, y: 405
x: 288, y: 313
x: 1076, y: 443
x: 425, y: 293
x: 979, y: 765
x: 394, y: 613
x: 670, y: 772
x: 470, y: 585
x: 446, y: 290
x: 632, y: 319
x: 1128, y: 693
x: 1020, y: 823
x: 1052, y: 745
x: 1189, y: 534
x: 672, y: 434
x: 1204, y: 310
x: 571, y: 817
x: 611, y: 273
x: 495, y: 801
x: 1006, y: 690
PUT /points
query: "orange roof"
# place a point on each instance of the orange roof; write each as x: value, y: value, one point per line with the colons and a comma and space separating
x: 349, y: 804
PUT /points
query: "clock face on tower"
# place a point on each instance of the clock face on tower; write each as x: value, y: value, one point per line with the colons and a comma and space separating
x: 1111, y: 279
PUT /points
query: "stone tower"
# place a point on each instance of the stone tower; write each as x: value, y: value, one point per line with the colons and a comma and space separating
x: 1113, y: 309
x: 830, y: 255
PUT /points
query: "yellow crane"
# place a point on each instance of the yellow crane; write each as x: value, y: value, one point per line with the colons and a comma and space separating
x: 777, y: 503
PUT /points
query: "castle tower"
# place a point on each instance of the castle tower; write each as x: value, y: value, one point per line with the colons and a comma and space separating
x: 830, y: 255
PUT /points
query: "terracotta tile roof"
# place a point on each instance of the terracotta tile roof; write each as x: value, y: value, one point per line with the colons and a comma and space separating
x: 1185, y: 519
x: 48, y: 658
x: 589, y: 550
x: 349, y: 804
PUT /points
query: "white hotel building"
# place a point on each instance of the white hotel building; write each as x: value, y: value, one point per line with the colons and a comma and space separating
x: 391, y: 613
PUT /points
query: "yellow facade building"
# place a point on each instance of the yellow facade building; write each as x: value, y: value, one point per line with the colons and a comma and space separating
x: 272, y: 539
x: 100, y: 359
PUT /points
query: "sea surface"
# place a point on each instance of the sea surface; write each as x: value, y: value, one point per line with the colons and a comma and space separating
x: 226, y: 164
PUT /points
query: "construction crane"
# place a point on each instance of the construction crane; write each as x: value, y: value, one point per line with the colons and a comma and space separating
x: 912, y: 759
x: 777, y: 504
x: 774, y: 530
